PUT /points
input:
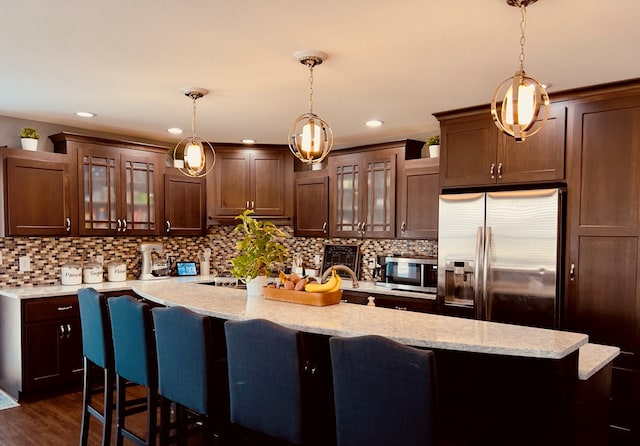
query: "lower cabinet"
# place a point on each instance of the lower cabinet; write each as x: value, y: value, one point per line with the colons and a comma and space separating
x: 52, y: 340
x: 41, y: 345
x: 387, y: 301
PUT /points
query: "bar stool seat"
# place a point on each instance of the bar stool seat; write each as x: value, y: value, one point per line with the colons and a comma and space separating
x: 97, y: 350
x: 384, y: 392
x: 135, y: 363
x: 266, y: 380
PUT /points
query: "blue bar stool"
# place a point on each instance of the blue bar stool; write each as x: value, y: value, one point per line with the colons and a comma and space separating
x: 384, y: 392
x: 97, y: 349
x: 265, y: 379
x: 186, y: 374
x: 135, y: 363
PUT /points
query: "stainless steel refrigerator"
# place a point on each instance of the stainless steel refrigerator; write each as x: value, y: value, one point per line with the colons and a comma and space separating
x: 499, y: 254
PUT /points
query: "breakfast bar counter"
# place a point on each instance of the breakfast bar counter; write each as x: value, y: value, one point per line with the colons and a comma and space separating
x: 410, y: 328
x: 496, y: 383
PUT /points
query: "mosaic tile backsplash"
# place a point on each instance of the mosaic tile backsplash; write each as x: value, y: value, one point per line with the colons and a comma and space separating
x: 48, y: 254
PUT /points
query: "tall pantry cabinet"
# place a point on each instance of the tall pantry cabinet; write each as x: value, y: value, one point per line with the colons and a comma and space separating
x: 603, y: 239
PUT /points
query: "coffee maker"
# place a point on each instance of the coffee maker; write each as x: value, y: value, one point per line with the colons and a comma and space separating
x: 151, y: 269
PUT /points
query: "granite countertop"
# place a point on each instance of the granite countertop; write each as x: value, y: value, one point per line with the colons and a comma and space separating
x: 410, y: 328
x: 593, y: 357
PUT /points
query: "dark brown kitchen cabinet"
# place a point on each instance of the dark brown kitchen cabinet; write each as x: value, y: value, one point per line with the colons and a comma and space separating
x: 40, y: 346
x: 603, y: 238
x: 311, y: 206
x: 39, y: 194
x: 362, y: 194
x: 52, y: 355
x: 184, y: 204
x: 119, y: 185
x: 418, y: 192
x: 475, y: 153
x: 388, y: 301
x: 259, y: 178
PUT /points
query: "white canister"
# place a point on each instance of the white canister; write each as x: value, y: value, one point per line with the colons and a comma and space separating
x: 117, y: 271
x: 71, y: 274
x: 92, y: 273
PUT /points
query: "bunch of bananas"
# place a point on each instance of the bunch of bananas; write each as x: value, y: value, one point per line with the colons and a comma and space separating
x: 333, y: 284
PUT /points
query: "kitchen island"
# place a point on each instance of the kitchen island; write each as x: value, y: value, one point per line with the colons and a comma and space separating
x: 497, y: 383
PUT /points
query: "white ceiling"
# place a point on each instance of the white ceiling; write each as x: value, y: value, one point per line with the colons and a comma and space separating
x: 395, y: 60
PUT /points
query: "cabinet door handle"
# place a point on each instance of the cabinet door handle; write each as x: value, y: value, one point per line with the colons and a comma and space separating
x: 253, y: 205
x: 67, y: 225
x: 397, y: 307
x: 118, y: 225
x: 248, y: 205
x: 61, y: 328
x: 68, y: 307
x: 364, y: 228
x: 167, y: 226
x: 403, y: 226
x: 499, y: 170
x: 358, y: 227
x: 124, y: 225
x: 492, y: 170
x: 68, y: 330
x: 324, y: 228
x: 572, y: 272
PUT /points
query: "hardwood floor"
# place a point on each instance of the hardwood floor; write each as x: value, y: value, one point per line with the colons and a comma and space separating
x: 56, y: 422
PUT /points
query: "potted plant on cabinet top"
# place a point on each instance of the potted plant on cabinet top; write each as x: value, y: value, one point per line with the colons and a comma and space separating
x: 29, y: 138
x: 259, y: 249
x: 434, y: 146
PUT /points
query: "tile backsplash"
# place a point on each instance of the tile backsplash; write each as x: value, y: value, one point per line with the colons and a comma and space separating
x: 48, y: 254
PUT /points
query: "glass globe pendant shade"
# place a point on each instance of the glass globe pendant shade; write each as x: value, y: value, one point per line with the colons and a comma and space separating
x: 310, y: 138
x: 193, y: 156
x: 523, y: 113
x: 190, y: 156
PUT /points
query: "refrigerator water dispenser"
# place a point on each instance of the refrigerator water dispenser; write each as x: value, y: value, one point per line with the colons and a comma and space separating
x: 460, y: 283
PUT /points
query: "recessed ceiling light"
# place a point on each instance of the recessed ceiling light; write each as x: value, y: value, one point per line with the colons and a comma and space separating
x: 175, y: 131
x: 373, y: 123
x: 86, y: 114
x: 248, y: 141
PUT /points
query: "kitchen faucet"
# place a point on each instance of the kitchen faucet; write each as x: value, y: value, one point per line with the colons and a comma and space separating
x: 341, y: 268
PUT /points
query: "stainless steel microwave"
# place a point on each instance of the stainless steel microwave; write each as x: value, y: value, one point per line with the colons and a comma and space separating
x: 410, y: 274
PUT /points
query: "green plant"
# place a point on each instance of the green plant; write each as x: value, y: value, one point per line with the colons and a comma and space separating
x: 434, y: 140
x: 28, y: 132
x: 259, y: 248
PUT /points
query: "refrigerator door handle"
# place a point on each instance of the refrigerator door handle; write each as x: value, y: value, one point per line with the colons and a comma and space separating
x: 476, y: 287
x: 485, y: 275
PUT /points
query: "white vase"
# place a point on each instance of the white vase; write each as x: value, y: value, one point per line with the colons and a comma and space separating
x: 29, y: 144
x: 255, y: 286
x: 434, y: 151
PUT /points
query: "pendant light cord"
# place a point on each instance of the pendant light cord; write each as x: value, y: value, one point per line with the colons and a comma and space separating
x: 523, y: 23
x: 193, y: 116
x: 311, y: 64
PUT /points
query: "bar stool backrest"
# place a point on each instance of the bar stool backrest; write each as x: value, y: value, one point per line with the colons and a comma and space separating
x: 133, y: 340
x: 183, y: 350
x: 265, y: 378
x: 97, y: 345
x: 384, y: 392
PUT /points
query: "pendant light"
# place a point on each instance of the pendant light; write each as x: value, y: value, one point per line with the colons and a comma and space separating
x: 191, y: 155
x: 310, y: 137
x: 520, y: 105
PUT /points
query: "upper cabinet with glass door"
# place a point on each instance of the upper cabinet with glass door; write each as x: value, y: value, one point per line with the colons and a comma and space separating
x: 120, y: 185
x: 363, y: 194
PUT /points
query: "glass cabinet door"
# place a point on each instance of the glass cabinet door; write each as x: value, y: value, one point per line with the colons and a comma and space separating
x: 119, y: 191
x: 380, y: 202
x: 347, y: 213
x: 140, y: 200
x: 99, y: 176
